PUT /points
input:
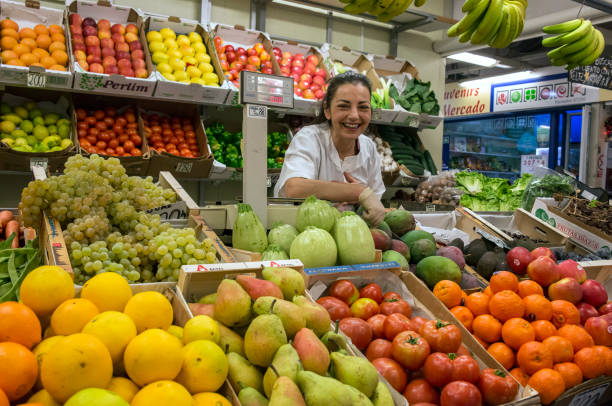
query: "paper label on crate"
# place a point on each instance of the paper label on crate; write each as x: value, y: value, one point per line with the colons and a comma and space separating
x: 184, y: 167
x: 269, y: 264
x: 241, y: 265
x: 39, y: 161
x: 328, y: 269
x: 590, y: 396
x: 376, y: 265
x: 36, y: 79
x: 172, y: 211
x: 352, y: 268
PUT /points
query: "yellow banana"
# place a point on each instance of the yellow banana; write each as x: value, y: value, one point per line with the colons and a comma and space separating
x: 504, y: 32
x: 489, y: 21
x: 600, y: 47
x: 469, y: 5
x: 359, y: 6
x: 469, y: 19
x: 493, y: 33
x: 570, y: 37
x: 562, y: 28
x: 380, y: 7
x: 586, y: 51
x: 419, y: 3
x: 466, y: 36
x: 520, y: 18
x: 573, y: 47
x: 395, y: 9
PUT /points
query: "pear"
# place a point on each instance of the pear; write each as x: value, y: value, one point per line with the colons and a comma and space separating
x: 288, y: 280
x: 230, y: 341
x: 257, y: 288
x: 286, y: 393
x: 290, y: 314
x: 208, y: 299
x: 263, y: 338
x: 250, y: 397
x: 286, y: 362
x: 323, y: 391
x: 243, y: 373
x: 317, y: 317
x: 334, y: 341
x: 381, y: 396
x: 312, y: 352
x: 355, y: 371
x: 233, y: 305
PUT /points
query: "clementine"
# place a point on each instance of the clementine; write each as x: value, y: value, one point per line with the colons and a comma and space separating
x: 503, y: 280
x: 564, y: 312
x: 549, y: 384
x: 516, y: 332
x: 487, y: 328
x: 19, y: 324
x: 577, y: 336
x: 503, y: 354
x: 529, y: 287
x: 537, y: 307
x: 506, y: 305
x: 478, y: 303
x: 533, y: 356
x: 571, y: 373
x: 543, y: 329
x: 560, y: 348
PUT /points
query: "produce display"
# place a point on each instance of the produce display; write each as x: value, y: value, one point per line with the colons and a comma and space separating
x: 107, y: 132
x: 309, y: 80
x: 439, y: 189
x: 385, y: 154
x: 385, y: 10
x: 15, y: 262
x: 417, y: 97
x: 174, y: 135
x: 32, y: 128
x: 493, y: 22
x: 33, y: 46
x: 576, y: 43
x: 104, y: 349
x: 181, y: 58
x: 491, y: 194
x: 547, y: 186
x: 234, y: 60
x: 593, y: 213
x: 407, y: 149
x: 102, y: 48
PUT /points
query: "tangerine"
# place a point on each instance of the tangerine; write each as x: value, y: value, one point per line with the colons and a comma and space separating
x: 8, y: 55
x: 564, y: 312
x: 537, y: 307
x: 40, y: 29
x: 506, y: 305
x: 43, y: 41
x: 560, y: 348
x: 487, y: 328
x: 529, y: 287
x: 8, y: 23
x: 60, y: 57
x: 57, y: 37
x: 576, y: 335
x: 543, y: 329
x: 47, y: 61
x: 57, y: 67
x: 27, y: 33
x: 9, y: 32
x: 15, y: 62
x: 40, y: 53
x: 571, y: 373
x: 533, y: 356
x: 8, y: 43
x: 503, y: 354
x: 19, y: 324
x: 29, y: 42
x: 3, y: 399
x: 21, y: 49
x: 503, y: 280
x: 478, y: 303
x: 487, y: 291
x: 57, y: 46
x: 590, y: 362
x: 18, y: 369
x: 448, y: 292
x: 464, y: 315
x: 516, y: 332
x: 28, y: 59
x: 549, y: 384
x: 56, y: 29
x: 520, y: 376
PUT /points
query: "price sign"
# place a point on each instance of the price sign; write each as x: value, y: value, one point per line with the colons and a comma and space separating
x: 530, y: 162
x: 36, y: 79
x: 590, y: 396
x: 38, y: 161
x: 172, y: 211
x: 184, y: 167
x: 267, y: 90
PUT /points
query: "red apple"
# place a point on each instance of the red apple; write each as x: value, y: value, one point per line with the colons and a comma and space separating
x: 80, y: 54
x: 287, y: 55
x: 605, y: 309
x: 313, y: 59
x: 109, y: 60
x: 304, y: 85
x: 78, y: 39
x: 236, y: 65
x: 118, y: 29
x: 310, y: 69
x: 565, y: 289
x: 586, y: 312
x: 298, y: 62
x: 122, y: 55
x: 107, y: 43
x: 75, y: 19
x: 296, y: 78
x: 108, y: 52
x: 251, y: 68
x: 224, y: 65
x: 267, y: 64
x: 298, y: 92
x: 285, y: 71
x: 135, y: 46
x: 231, y: 56
x: 96, y: 68
x: 264, y: 56
x: 594, y: 293
x: 130, y: 37
x: 298, y: 56
x: 240, y: 51
x: 80, y: 47
x: 243, y: 58
x: 543, y: 252
x: 229, y: 48
x: 88, y: 22
x: 131, y: 28
x: 297, y: 69
x: 104, y: 34
x: 308, y: 94
x: 92, y: 41
x: 91, y: 59
x: 235, y: 73
x: 138, y: 64
x: 318, y: 80
x: 267, y: 71
x: 276, y: 51
x: 123, y: 64
x: 321, y: 72
x: 88, y: 30
x: 76, y: 30
x: 319, y: 94
x: 251, y: 52
x: 83, y: 64
x: 306, y: 78
x: 255, y: 61
x: 285, y: 63
x: 314, y: 87
x: 104, y: 24
x: 122, y: 46
x: 111, y: 70
x: 141, y: 73
x: 572, y: 269
x: 138, y: 54
x: 117, y: 38
x: 599, y: 329
x: 93, y: 50
x: 517, y: 258
x: 127, y: 72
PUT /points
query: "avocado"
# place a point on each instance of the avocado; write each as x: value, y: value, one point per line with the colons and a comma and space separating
x: 434, y: 269
x: 474, y: 251
x: 458, y: 242
x: 385, y: 227
x: 415, y: 235
x: 400, y: 221
x: 420, y: 249
x: 487, y: 264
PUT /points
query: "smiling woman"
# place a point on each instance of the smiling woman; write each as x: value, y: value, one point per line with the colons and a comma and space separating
x: 333, y: 160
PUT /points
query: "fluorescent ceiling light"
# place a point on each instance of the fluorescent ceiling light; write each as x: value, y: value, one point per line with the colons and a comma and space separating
x: 501, y: 65
x: 474, y: 59
x: 511, y: 77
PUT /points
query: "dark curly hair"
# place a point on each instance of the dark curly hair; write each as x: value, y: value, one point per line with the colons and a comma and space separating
x: 348, y: 77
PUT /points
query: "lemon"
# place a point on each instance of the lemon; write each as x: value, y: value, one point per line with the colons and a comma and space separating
x: 195, y: 37
x: 210, y: 77
x: 163, y: 393
x: 152, y: 356
x: 21, y: 112
x: 168, y: 76
x: 193, y: 72
x: 7, y: 126
x: 108, y: 291
x: 96, y: 396
x: 45, y: 288
x: 123, y: 387
x: 75, y: 362
x: 114, y: 329
x: 42, y: 396
x: 164, y: 68
x: 40, y: 351
x: 199, y: 81
x: 204, y: 368
x: 205, y: 67
x: 180, y: 75
x: 199, y: 47
x: 157, y: 46
x: 190, y: 60
x: 149, y: 310
x: 210, y: 399
x: 201, y: 328
x: 182, y: 40
x: 170, y: 43
x: 72, y: 315
x: 203, y: 58
x: 176, y: 331
x: 187, y: 51
x: 167, y: 33
x: 176, y: 64
x: 153, y: 36
x: 159, y: 57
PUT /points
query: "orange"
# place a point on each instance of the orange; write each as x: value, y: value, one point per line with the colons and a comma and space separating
x: 40, y: 29
x: 9, y: 32
x: 21, y: 49
x: 448, y: 292
x: 503, y: 280
x: 560, y: 348
x: 57, y: 46
x: 19, y: 324
x: 564, y: 312
x: 529, y: 287
x: 29, y: 42
x: 8, y: 55
x: 57, y: 67
x: 487, y: 328
x: 533, y: 356
x: 60, y: 57
x: 537, y: 307
x: 47, y: 61
x: 606, y: 353
x: 478, y: 303
x: 28, y: 59
x: 18, y: 369
x: 487, y: 291
x: 15, y: 62
x: 549, y: 384
x: 503, y: 354
x: 3, y: 399
x: 577, y: 336
x: 43, y: 41
x: 27, y: 33
x: 57, y: 37
x: 37, y: 64
x: 8, y: 43
x: 520, y: 376
x: 590, y: 362
x: 56, y: 29
x: 7, y: 23
x: 506, y: 305
x: 543, y: 329
x: 517, y: 332
x: 571, y: 373
x: 40, y: 53
x: 464, y: 315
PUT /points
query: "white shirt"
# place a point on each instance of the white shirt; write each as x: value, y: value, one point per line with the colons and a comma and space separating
x: 313, y: 155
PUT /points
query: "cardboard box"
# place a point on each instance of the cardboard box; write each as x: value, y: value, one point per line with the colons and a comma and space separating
x: 116, y: 84
x: 28, y: 15
x: 168, y: 89
x: 56, y: 102
x: 390, y: 65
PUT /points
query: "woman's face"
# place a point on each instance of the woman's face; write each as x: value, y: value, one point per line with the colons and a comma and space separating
x: 349, y: 110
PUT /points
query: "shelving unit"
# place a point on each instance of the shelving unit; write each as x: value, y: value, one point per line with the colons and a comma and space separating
x: 486, y: 154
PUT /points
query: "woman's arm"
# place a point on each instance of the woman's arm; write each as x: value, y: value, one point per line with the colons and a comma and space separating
x: 333, y: 191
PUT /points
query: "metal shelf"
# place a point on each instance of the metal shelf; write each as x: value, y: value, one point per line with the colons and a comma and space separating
x: 485, y: 154
x: 489, y: 137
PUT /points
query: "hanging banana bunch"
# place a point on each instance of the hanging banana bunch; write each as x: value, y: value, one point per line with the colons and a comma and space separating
x: 493, y: 22
x: 577, y: 43
x: 385, y: 10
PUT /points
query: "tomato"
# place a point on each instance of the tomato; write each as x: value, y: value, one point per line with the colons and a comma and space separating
x: 372, y: 291
x: 391, y: 295
x: 460, y: 393
x: 463, y: 351
x: 359, y: 331
x: 421, y: 391
x: 336, y: 308
x: 438, y: 369
x: 379, y: 348
x: 344, y: 290
x: 441, y: 335
x: 394, y: 305
x: 410, y: 349
x: 418, y: 321
x: 392, y: 372
x: 497, y: 386
x: 377, y: 323
x: 364, y: 308
x: 465, y: 368
x: 396, y: 323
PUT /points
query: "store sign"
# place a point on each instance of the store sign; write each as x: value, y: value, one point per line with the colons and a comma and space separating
x: 530, y: 162
x: 599, y: 74
x: 466, y: 101
x: 554, y: 91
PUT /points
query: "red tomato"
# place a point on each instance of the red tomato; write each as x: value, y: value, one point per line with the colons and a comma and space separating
x: 391, y: 295
x: 441, y: 335
x: 372, y: 291
x: 497, y: 386
x: 410, y: 349
x: 364, y: 308
x: 394, y: 305
x: 418, y: 321
x: 465, y: 368
x: 460, y: 393
x: 377, y: 323
x: 438, y: 369
x: 359, y: 331
x: 392, y: 372
x: 336, y: 308
x: 379, y: 348
x: 81, y: 114
x: 421, y: 391
x: 396, y: 323
x: 99, y: 115
x: 463, y: 351
x: 344, y: 290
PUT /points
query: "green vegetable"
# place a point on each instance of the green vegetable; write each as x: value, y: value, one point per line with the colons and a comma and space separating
x: 354, y: 240
x: 490, y: 194
x: 417, y: 97
x: 282, y: 235
x: 317, y: 213
x: 273, y: 252
x: 315, y: 247
x: 15, y: 264
x: 471, y: 182
x: 546, y: 187
x: 248, y: 233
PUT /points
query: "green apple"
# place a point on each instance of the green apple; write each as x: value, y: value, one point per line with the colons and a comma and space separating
x: 19, y: 134
x: 51, y: 118
x: 63, y: 121
x: 32, y: 141
x: 8, y: 141
x: 27, y: 126
x: 42, y: 147
x: 63, y: 131
x: 40, y: 132
x: 66, y: 142
x: 52, y: 129
x: 20, y: 142
x: 35, y: 113
x: 21, y: 112
x: 38, y: 121
x: 30, y: 105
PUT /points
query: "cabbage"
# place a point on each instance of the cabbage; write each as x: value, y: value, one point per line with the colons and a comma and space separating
x: 282, y: 235
x: 273, y: 252
x: 316, y: 213
x: 315, y: 247
x: 248, y: 233
x: 354, y: 240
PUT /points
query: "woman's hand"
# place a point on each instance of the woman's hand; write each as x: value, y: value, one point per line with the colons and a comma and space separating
x: 373, y: 210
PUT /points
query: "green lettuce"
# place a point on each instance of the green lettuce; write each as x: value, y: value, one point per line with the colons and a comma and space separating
x: 471, y: 182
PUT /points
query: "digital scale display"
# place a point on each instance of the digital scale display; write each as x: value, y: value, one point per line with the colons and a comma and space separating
x: 268, y: 90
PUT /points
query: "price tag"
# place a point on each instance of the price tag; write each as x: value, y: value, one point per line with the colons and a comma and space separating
x: 430, y: 208
x: 38, y: 161
x: 184, y: 167
x: 36, y: 79
x: 530, y: 162
x: 172, y: 211
x: 412, y: 122
x: 590, y: 396
x: 268, y: 181
x: 256, y: 111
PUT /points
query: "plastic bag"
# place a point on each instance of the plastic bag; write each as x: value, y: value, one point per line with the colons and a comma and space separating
x: 547, y: 186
